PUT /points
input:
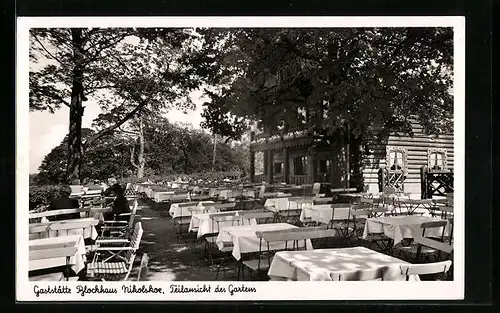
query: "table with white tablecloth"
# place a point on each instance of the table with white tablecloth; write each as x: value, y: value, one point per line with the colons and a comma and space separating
x: 244, y: 238
x: 402, y: 227
x: 204, y: 225
x: 322, y: 264
x: 176, y: 211
x: 84, y: 227
x: 77, y: 260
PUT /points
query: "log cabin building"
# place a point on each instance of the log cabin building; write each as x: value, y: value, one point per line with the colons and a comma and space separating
x: 419, y: 164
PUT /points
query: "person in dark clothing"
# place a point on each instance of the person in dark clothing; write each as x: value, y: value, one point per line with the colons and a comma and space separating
x: 120, y: 204
x: 63, y: 202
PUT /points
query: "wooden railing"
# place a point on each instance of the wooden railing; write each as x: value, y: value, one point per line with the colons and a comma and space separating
x: 298, y: 179
x: 435, y: 183
x: 391, y: 178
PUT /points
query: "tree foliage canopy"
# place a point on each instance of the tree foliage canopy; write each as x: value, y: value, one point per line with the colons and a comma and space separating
x: 331, y: 80
x: 124, y: 70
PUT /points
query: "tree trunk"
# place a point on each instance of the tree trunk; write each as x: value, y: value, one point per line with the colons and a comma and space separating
x: 75, y: 154
x: 215, y: 152
x: 356, y: 162
x: 140, y: 158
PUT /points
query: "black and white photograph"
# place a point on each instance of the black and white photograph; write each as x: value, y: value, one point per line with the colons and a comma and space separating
x: 265, y: 158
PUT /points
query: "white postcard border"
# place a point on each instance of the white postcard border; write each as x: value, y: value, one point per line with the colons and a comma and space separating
x: 442, y: 290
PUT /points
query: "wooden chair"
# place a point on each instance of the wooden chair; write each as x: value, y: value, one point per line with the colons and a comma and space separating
x: 365, y: 275
x: 420, y: 252
x: 260, y: 215
x: 143, y: 268
x: 340, y: 220
x: 290, y: 237
x: 292, y: 215
x: 119, y: 228
x: 425, y: 269
x: 377, y: 209
x: 181, y: 222
x: 216, y: 219
x: 316, y: 189
x: 227, y: 219
x: 114, y: 261
x: 359, y: 214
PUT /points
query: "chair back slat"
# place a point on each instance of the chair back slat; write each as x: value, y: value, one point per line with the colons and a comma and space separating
x: 225, y: 205
x: 322, y: 199
x: 425, y: 268
x: 225, y: 218
x: 362, y: 206
x: 434, y: 244
x: 340, y: 190
x: 361, y: 213
x: 143, y: 267
x: 433, y: 224
x: 295, y: 234
x: 136, y: 237
x: 364, y: 275
x: 340, y: 211
x: 132, y: 214
x: 257, y: 215
x: 214, y: 215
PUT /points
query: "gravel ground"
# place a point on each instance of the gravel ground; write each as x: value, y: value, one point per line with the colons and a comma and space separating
x: 171, y: 259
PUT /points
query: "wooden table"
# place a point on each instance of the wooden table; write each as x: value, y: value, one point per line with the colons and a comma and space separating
x: 57, y: 251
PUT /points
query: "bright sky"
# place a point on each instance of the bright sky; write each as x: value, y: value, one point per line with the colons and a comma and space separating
x: 48, y: 130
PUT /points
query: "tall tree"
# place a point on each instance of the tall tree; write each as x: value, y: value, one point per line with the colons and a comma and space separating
x: 74, y: 64
x: 336, y: 84
x: 105, y: 158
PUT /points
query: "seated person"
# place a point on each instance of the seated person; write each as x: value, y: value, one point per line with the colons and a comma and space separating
x: 120, y: 204
x: 62, y: 202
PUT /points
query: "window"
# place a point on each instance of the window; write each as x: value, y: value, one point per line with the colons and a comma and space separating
x: 299, y: 165
x: 436, y: 159
x: 397, y: 159
x: 278, y: 168
x: 324, y: 166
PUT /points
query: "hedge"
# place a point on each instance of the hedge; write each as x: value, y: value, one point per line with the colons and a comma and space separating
x: 42, y: 195
x: 194, y: 177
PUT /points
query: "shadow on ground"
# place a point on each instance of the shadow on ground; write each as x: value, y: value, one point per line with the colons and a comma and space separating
x: 171, y: 259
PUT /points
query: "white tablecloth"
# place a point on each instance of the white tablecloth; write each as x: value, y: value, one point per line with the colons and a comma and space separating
x: 320, y: 264
x: 175, y: 211
x: 203, y: 224
x: 401, y: 227
x: 322, y: 213
x: 84, y: 227
x: 77, y: 261
x: 245, y: 240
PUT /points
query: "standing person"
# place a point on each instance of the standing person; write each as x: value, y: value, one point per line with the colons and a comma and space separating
x: 63, y: 202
